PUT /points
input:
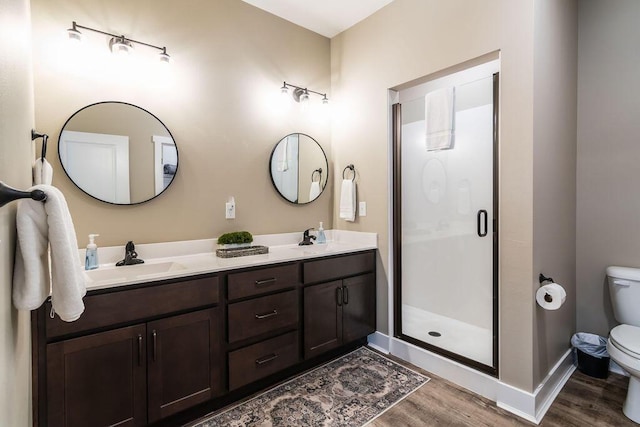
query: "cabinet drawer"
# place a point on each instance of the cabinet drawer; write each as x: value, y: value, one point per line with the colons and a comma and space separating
x: 258, y: 282
x: 261, y: 315
x: 262, y: 359
x: 129, y: 305
x: 335, y: 268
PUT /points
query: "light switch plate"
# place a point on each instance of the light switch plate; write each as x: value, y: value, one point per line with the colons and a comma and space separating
x: 362, y: 208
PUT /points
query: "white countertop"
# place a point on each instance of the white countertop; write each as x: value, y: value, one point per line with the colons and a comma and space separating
x: 193, y: 257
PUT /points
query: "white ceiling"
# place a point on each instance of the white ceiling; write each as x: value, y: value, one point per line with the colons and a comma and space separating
x: 326, y: 17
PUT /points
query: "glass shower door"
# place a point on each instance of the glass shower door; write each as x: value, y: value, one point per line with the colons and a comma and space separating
x: 446, y: 219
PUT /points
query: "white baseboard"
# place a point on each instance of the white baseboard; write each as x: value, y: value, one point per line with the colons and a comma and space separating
x: 379, y: 341
x: 530, y: 406
x: 533, y: 406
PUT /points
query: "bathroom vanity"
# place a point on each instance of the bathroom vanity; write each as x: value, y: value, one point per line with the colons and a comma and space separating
x: 144, y: 351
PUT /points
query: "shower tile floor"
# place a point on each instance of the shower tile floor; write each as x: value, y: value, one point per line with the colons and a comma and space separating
x: 470, y: 341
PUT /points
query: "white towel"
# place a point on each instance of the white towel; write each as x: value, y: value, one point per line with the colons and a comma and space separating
x: 314, y: 191
x: 348, y: 200
x: 42, y: 172
x: 439, y: 118
x: 283, y: 161
x: 41, y: 225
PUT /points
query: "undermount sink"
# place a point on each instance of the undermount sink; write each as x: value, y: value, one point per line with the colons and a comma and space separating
x: 315, y: 248
x: 129, y: 272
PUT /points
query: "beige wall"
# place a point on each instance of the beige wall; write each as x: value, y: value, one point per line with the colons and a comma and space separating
x: 608, y: 223
x: 218, y: 101
x: 410, y: 39
x: 554, y: 173
x: 16, y: 154
x: 219, y: 98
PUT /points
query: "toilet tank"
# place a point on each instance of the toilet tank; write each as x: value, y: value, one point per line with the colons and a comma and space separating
x: 624, y: 289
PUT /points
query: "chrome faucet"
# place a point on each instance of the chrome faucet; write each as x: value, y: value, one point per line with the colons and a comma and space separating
x: 306, y: 238
x: 130, y: 255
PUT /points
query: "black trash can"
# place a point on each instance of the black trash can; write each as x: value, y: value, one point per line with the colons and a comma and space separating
x: 591, y: 354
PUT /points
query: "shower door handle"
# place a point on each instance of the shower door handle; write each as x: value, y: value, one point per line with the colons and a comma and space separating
x: 482, y: 222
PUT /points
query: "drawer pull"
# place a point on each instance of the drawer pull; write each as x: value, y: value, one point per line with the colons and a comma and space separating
x: 345, y: 291
x: 265, y: 282
x: 267, y: 315
x: 266, y: 359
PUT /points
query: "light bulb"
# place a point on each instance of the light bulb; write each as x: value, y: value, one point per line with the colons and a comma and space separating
x: 164, y: 57
x: 74, y: 34
x: 304, y: 98
x: 120, y: 46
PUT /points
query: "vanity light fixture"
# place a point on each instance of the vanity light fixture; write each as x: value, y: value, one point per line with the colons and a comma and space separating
x: 301, y: 94
x: 119, y: 44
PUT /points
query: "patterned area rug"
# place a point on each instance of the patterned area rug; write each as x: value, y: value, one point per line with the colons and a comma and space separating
x: 349, y: 391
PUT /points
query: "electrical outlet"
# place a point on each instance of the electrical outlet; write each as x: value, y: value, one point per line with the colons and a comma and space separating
x: 230, y: 209
x: 362, y: 208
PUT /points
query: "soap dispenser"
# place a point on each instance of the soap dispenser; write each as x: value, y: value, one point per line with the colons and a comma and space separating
x: 91, y: 256
x: 321, y: 238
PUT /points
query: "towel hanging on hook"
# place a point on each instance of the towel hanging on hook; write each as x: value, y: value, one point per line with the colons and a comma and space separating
x: 352, y: 168
x: 42, y: 170
x: 317, y: 171
x: 43, y: 152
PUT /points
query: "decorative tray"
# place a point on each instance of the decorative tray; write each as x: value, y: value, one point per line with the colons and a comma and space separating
x: 245, y: 251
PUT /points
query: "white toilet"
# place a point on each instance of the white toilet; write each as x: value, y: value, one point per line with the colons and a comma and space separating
x: 624, y: 340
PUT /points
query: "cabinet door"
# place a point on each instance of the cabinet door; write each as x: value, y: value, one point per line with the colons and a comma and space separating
x: 184, y: 364
x: 322, y: 318
x: 359, y: 307
x: 98, y: 380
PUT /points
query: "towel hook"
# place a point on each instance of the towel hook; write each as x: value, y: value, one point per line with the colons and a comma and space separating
x: 317, y: 171
x: 35, y: 135
x: 353, y: 169
x: 9, y: 194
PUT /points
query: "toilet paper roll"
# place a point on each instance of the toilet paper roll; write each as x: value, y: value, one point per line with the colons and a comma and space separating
x: 551, y: 296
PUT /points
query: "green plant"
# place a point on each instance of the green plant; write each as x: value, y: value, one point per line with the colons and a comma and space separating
x: 235, y: 237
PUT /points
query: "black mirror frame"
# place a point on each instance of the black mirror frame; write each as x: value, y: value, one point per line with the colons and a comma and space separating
x: 271, y: 175
x: 131, y: 105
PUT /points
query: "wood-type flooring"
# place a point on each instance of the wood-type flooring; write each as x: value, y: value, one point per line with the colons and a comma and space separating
x: 583, y: 402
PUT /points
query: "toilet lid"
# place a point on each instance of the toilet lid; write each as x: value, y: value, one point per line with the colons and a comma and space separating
x: 627, y: 339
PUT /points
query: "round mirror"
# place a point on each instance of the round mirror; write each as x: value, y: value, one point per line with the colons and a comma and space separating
x: 118, y: 153
x: 299, y: 168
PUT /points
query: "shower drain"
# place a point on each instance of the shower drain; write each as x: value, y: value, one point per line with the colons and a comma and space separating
x: 435, y: 334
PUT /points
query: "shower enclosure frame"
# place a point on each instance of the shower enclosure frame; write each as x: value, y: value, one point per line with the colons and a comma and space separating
x: 397, y: 239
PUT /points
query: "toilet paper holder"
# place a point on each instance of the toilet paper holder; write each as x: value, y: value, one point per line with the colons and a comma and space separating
x: 542, y: 278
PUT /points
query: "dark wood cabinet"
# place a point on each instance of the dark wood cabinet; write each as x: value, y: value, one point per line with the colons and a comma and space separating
x: 98, y: 380
x: 338, y: 312
x: 322, y: 318
x: 183, y: 353
x: 358, y: 307
x: 147, y: 353
x: 136, y: 355
x: 135, y: 375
